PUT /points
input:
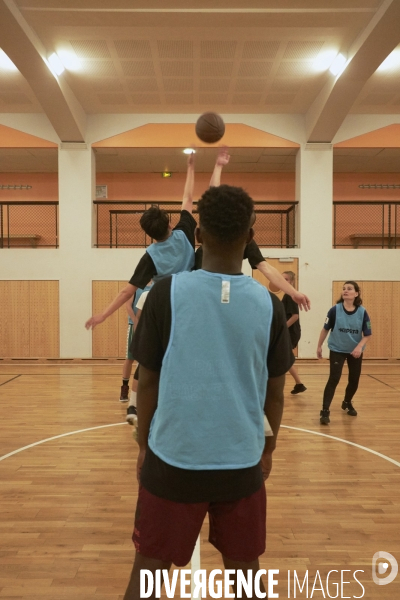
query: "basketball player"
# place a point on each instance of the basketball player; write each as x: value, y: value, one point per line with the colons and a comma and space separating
x: 293, y: 323
x: 172, y: 251
x: 213, y: 348
x: 350, y: 328
x: 252, y: 251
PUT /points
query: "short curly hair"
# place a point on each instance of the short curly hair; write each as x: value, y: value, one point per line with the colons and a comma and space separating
x: 154, y: 221
x: 225, y: 212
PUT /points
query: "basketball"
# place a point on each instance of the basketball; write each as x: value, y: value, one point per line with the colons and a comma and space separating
x: 210, y: 127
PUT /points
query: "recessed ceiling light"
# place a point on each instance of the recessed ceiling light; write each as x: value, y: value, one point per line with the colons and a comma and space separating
x: 6, y: 63
x: 189, y: 151
x: 69, y: 59
x: 324, y: 60
x: 55, y: 64
x: 338, y: 65
x: 391, y: 62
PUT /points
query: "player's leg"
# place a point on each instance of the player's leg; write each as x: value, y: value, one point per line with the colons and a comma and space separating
x: 238, y: 531
x: 165, y: 532
x: 253, y: 566
x: 127, y: 368
x: 354, y: 365
x: 336, y: 362
x: 299, y: 387
x: 131, y: 411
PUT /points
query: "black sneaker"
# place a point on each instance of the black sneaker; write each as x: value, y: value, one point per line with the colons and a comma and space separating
x: 298, y: 388
x: 324, y: 417
x: 124, y: 396
x: 131, y: 415
x: 350, y: 408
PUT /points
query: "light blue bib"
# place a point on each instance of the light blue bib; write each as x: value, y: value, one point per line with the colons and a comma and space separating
x: 173, y: 255
x: 347, y: 332
x: 214, y: 374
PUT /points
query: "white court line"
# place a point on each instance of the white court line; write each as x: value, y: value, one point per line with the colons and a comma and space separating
x: 332, y: 437
x: 56, y: 437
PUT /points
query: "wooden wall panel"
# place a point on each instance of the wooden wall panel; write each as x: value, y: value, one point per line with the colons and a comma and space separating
x: 122, y: 325
x: 281, y: 267
x: 44, y: 320
x: 29, y: 320
x: 395, y: 319
x: 105, y: 335
x: 14, y: 333
x: 377, y: 299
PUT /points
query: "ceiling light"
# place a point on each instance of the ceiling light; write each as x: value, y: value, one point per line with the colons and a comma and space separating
x: 69, y: 60
x: 338, y: 65
x: 6, y: 63
x: 391, y: 62
x: 55, y: 64
x: 189, y: 151
x: 324, y: 60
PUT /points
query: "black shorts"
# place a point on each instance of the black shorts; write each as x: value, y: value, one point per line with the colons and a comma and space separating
x: 136, y: 375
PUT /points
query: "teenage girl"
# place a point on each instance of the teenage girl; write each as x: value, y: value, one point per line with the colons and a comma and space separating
x: 350, y: 328
x: 293, y: 323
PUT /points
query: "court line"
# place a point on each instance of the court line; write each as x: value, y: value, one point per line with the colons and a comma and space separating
x: 389, y: 386
x: 332, y: 437
x: 12, y: 379
x: 56, y: 437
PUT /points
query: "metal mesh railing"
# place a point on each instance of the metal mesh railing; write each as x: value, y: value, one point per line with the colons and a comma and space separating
x: 117, y: 223
x: 371, y: 224
x: 29, y: 224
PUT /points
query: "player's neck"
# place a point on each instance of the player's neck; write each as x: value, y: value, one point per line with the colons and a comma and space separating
x: 229, y: 262
x: 349, y: 305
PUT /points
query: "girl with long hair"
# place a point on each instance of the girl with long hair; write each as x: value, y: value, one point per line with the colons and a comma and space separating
x: 350, y: 331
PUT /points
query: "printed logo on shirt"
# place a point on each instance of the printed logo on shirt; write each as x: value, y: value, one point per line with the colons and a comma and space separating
x: 343, y: 330
x: 326, y: 320
x: 368, y: 324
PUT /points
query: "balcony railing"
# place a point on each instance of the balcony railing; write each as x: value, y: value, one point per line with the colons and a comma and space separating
x: 369, y: 224
x: 28, y: 224
x: 117, y: 223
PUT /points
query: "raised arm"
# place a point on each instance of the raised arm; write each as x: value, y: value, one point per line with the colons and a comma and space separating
x: 187, y: 201
x: 277, y: 279
x: 222, y: 160
x: 124, y: 295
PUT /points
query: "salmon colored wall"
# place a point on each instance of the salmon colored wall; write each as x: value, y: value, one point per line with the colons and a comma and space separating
x: 345, y: 186
x: 151, y: 186
x: 44, y: 186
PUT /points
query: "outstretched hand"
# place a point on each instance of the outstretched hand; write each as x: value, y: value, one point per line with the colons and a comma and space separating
x: 93, y: 321
x: 302, y: 300
x: 223, y: 156
x: 190, y: 160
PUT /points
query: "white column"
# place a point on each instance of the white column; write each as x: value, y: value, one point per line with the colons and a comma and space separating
x: 314, y: 190
x: 76, y: 172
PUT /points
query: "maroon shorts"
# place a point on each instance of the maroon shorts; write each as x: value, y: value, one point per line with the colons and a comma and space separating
x: 167, y: 530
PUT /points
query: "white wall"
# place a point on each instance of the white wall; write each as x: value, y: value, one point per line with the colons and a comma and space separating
x: 76, y: 263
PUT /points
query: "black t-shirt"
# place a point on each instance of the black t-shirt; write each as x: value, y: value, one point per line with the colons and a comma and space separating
x: 148, y: 348
x: 291, y: 308
x: 251, y: 252
x: 146, y: 270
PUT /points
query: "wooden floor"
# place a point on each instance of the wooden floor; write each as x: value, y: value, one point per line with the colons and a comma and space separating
x: 67, y: 505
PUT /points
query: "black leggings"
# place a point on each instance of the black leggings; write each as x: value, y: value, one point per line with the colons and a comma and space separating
x: 337, y: 360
